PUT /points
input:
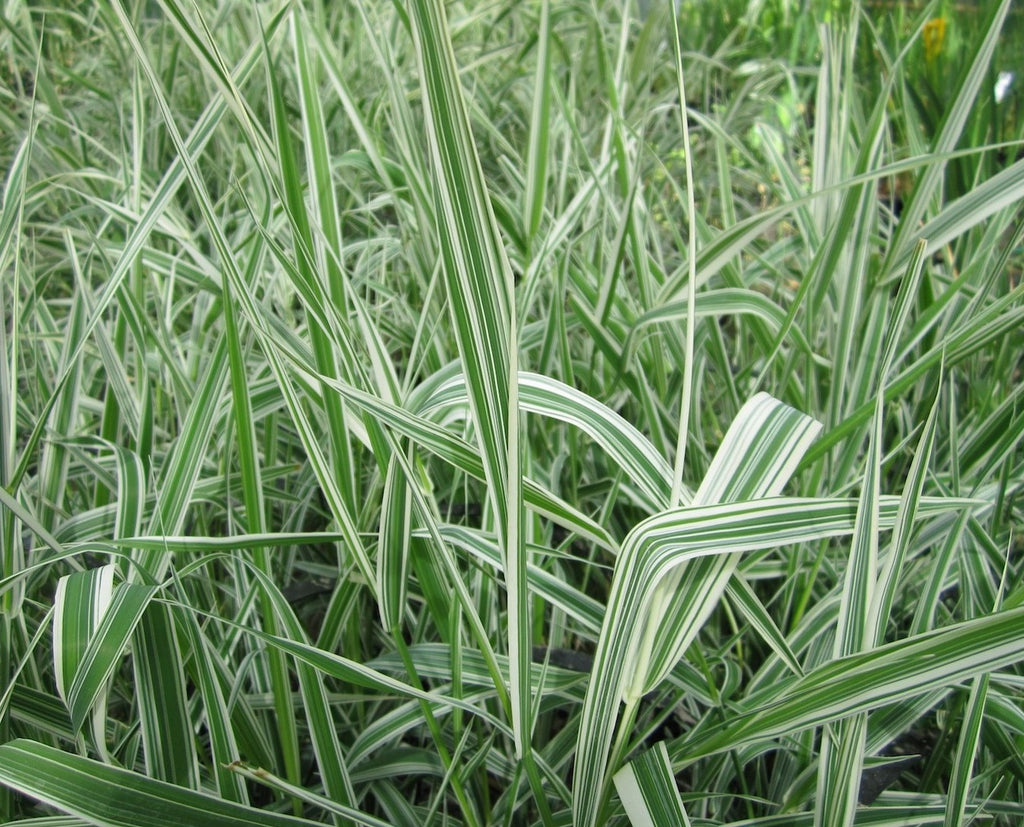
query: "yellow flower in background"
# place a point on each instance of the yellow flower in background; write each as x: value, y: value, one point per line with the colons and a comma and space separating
x: 933, y: 34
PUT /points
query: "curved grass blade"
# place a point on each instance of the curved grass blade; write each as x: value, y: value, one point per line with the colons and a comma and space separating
x: 650, y: 553
x: 861, y: 682
x: 724, y: 301
x: 340, y: 811
x: 760, y: 451
x: 93, y: 622
x: 645, y: 468
x: 108, y: 796
x: 462, y: 455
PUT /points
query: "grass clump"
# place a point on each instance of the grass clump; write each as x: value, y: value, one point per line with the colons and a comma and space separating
x: 509, y: 414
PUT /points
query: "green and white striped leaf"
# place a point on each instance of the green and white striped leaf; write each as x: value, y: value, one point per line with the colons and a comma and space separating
x: 223, y: 743
x: 480, y: 294
x: 966, y: 752
x: 168, y: 742
x: 645, y: 468
x: 842, y: 750
x: 462, y: 455
x: 864, y: 681
x: 93, y: 622
x: 963, y: 101
x: 80, y: 601
x: 760, y: 452
x: 651, y: 552
x: 105, y: 649
x: 648, y: 791
x: 107, y: 796
x: 393, y: 551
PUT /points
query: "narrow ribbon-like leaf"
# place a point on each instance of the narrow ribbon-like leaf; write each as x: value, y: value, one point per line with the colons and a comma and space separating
x: 863, y: 681
x: 164, y: 719
x: 108, y: 796
x: 648, y: 790
x: 480, y: 295
x: 650, y: 553
x: 760, y: 452
x: 93, y: 621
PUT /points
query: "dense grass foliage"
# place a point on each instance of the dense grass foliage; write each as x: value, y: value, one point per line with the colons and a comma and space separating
x: 510, y: 413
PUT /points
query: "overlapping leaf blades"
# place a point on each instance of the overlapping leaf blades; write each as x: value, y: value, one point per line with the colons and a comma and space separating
x: 298, y: 378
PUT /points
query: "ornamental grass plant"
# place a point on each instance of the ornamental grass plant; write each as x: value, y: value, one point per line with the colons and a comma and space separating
x: 510, y: 413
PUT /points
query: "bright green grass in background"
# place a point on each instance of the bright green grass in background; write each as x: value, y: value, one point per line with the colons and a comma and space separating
x: 413, y: 414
